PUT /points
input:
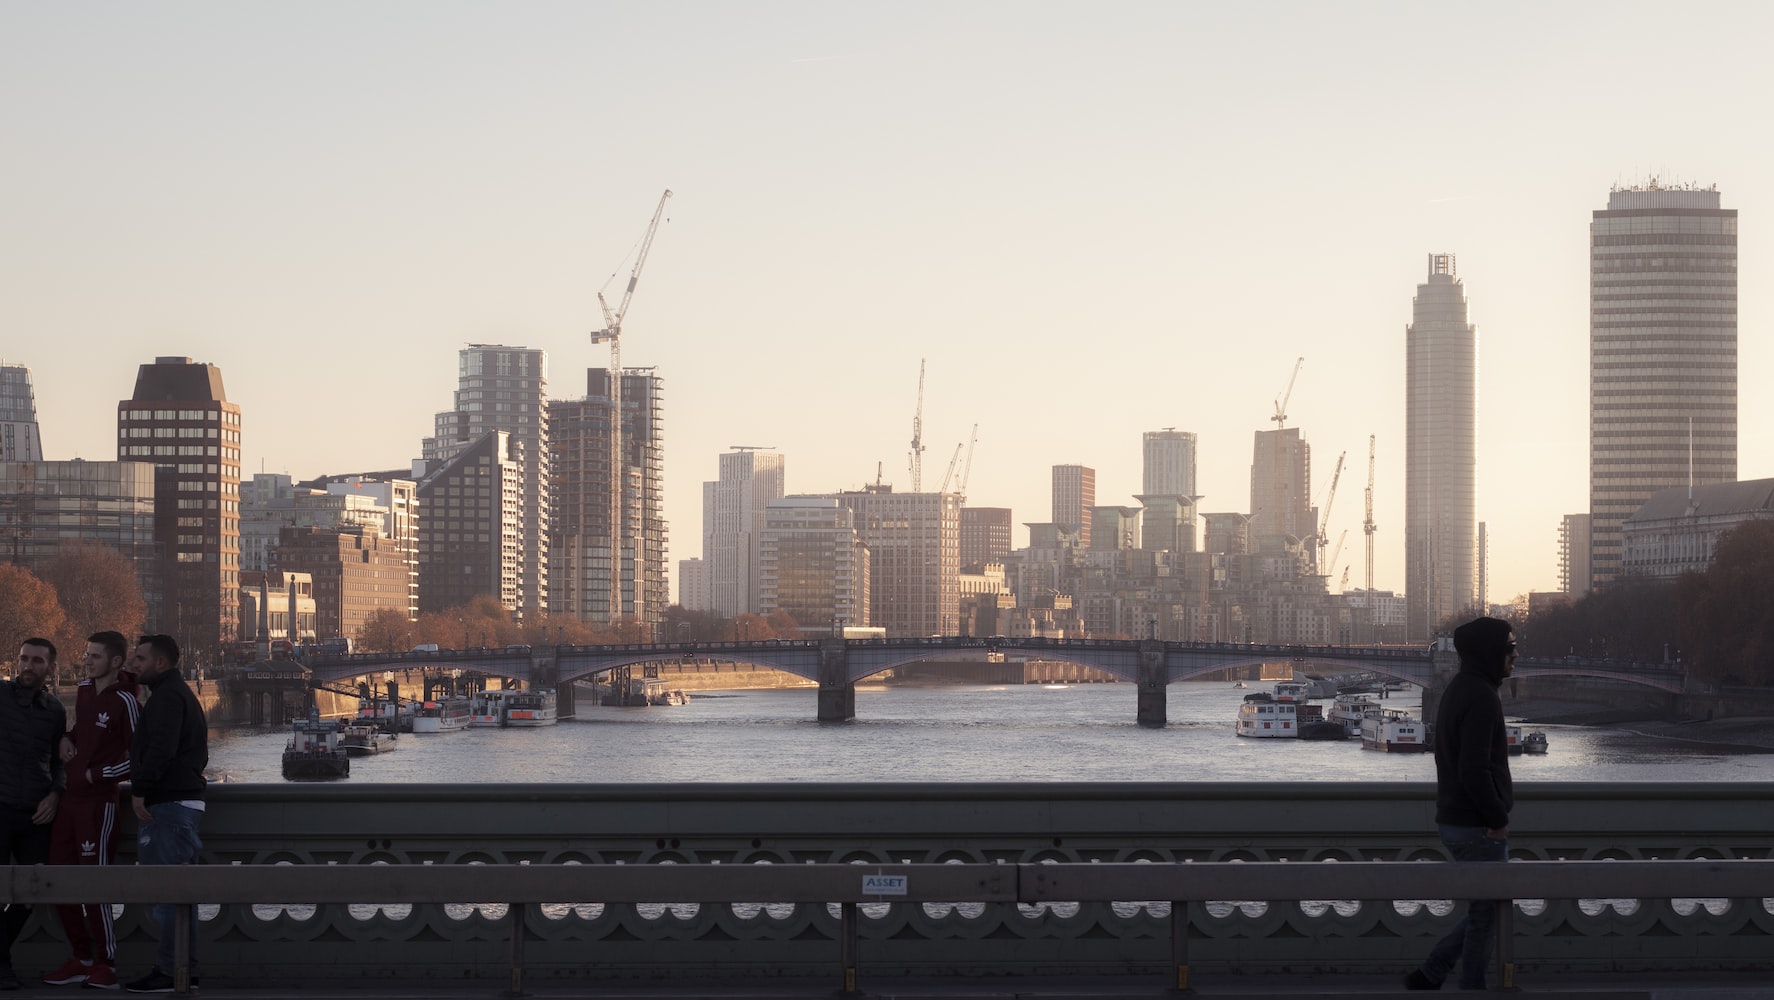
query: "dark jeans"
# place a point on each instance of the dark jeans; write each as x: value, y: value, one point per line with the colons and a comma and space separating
x: 171, y: 839
x: 1469, y: 943
x: 22, y: 842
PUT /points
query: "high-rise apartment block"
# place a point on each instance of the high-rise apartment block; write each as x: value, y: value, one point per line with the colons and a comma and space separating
x: 501, y: 388
x: 693, y: 592
x: 812, y: 564
x: 733, y: 522
x: 1168, y: 466
x: 985, y: 535
x: 579, y: 437
x: 20, y: 438
x: 914, y: 543
x: 471, y: 533
x: 1573, y: 554
x: 1074, y: 494
x: 179, y: 419
x: 1281, y: 511
x: 1662, y: 354
x: 1441, y: 461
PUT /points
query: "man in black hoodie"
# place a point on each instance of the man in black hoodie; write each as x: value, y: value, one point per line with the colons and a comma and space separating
x: 166, y: 762
x: 1473, y: 794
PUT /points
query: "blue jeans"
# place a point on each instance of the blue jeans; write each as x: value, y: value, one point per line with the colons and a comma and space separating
x: 171, y: 839
x: 1469, y: 943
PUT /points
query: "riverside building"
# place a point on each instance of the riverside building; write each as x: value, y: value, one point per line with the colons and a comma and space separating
x: 734, y: 509
x: 1662, y: 354
x: 1441, y: 406
x: 20, y: 438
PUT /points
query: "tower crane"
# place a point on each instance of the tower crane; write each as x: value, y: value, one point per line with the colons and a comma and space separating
x: 1367, y: 525
x: 1330, y: 497
x: 1280, y: 416
x: 954, y: 461
x: 1335, y: 552
x: 1344, y: 586
x: 612, y: 332
x: 916, y: 458
x: 967, y: 467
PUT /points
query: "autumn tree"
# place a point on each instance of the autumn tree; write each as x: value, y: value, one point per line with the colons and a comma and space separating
x: 28, y: 607
x: 385, y: 631
x: 98, y: 591
x: 1629, y: 619
x: 1725, y: 611
x: 783, y: 625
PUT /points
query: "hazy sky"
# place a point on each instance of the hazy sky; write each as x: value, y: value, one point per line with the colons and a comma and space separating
x: 1092, y: 219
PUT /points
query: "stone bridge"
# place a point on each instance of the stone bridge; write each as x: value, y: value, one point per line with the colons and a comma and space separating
x: 837, y: 664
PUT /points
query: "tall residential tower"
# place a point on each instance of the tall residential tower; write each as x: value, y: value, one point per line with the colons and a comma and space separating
x: 1441, y: 405
x: 1662, y: 353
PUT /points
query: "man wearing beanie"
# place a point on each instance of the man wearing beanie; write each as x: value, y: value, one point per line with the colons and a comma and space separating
x: 1473, y: 794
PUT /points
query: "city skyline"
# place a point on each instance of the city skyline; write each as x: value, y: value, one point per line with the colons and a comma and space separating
x: 1184, y: 167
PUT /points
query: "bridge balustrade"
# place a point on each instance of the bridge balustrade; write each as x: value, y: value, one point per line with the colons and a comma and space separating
x: 1093, y: 871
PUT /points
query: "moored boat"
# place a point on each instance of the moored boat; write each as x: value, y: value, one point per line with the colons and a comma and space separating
x: 534, y: 707
x: 1512, y: 740
x: 1393, y: 731
x: 363, y: 739
x: 313, y: 752
x: 486, y: 709
x: 1534, y: 742
x: 1350, y: 708
x: 1263, y: 716
x: 444, y: 715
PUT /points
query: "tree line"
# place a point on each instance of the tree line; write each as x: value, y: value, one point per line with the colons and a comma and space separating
x: 85, y: 588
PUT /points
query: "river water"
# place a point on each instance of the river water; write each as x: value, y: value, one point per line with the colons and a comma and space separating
x: 956, y: 733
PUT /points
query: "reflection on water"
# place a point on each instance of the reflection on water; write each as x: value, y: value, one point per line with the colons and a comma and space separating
x: 957, y: 733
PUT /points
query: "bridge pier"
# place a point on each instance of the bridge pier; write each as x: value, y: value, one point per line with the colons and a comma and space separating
x: 837, y: 693
x: 1154, y: 682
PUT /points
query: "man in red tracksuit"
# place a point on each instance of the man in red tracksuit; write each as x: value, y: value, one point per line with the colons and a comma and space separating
x: 96, y: 753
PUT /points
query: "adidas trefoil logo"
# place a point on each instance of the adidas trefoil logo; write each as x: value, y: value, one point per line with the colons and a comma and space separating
x: 104, y: 720
x: 88, y: 847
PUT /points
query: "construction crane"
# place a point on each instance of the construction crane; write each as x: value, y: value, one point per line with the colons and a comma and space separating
x: 1335, y: 552
x: 1280, y: 416
x: 1344, y: 586
x: 916, y: 458
x: 1330, y: 497
x: 954, y: 460
x: 612, y: 332
x: 967, y: 467
x: 1368, y: 524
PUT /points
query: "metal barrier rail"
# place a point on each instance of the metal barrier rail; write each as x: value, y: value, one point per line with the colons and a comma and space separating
x: 849, y: 885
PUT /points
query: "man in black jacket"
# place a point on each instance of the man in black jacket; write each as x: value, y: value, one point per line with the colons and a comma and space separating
x: 32, y: 721
x: 166, y: 762
x: 1473, y: 793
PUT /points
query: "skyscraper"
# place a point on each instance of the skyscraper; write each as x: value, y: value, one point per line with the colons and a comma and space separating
x: 1662, y: 353
x: 20, y: 438
x: 501, y: 388
x: 1168, y: 467
x: 1074, y: 493
x: 1281, y: 511
x: 471, y: 526
x: 985, y: 535
x: 179, y: 418
x: 579, y: 436
x: 734, y: 524
x: 812, y: 565
x: 914, y: 553
x: 1441, y: 403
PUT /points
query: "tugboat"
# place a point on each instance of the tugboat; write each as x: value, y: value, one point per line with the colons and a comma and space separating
x: 314, y: 752
x: 364, y: 739
x: 1534, y: 742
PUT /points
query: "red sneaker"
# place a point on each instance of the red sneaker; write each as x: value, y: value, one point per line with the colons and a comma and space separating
x: 68, y: 973
x: 101, y: 977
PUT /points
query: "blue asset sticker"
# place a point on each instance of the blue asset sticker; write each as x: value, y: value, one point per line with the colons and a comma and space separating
x: 884, y: 885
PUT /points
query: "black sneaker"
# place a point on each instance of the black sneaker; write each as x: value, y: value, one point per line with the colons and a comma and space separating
x: 155, y: 981
x: 1417, y: 981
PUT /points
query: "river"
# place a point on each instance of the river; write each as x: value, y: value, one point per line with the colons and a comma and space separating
x: 956, y: 733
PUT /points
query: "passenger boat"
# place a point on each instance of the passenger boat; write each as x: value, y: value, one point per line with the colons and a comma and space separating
x: 1349, y: 709
x: 1534, y: 742
x: 1263, y: 716
x: 444, y: 715
x: 534, y: 707
x: 386, y: 715
x: 314, y: 753
x: 1512, y: 740
x: 486, y: 709
x: 363, y: 739
x: 1394, y: 731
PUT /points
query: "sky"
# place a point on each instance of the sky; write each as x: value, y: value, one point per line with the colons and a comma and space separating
x: 1087, y: 220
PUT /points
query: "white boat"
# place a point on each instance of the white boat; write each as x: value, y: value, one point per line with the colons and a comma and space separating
x: 1350, y: 709
x: 362, y: 739
x: 1295, y: 691
x: 486, y: 709
x: 1263, y: 716
x: 1534, y: 742
x: 1512, y: 740
x: 1394, y: 731
x: 445, y: 715
x: 535, y: 707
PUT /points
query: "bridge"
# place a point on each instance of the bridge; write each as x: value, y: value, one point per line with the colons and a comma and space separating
x: 1129, y: 883
x: 837, y: 664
